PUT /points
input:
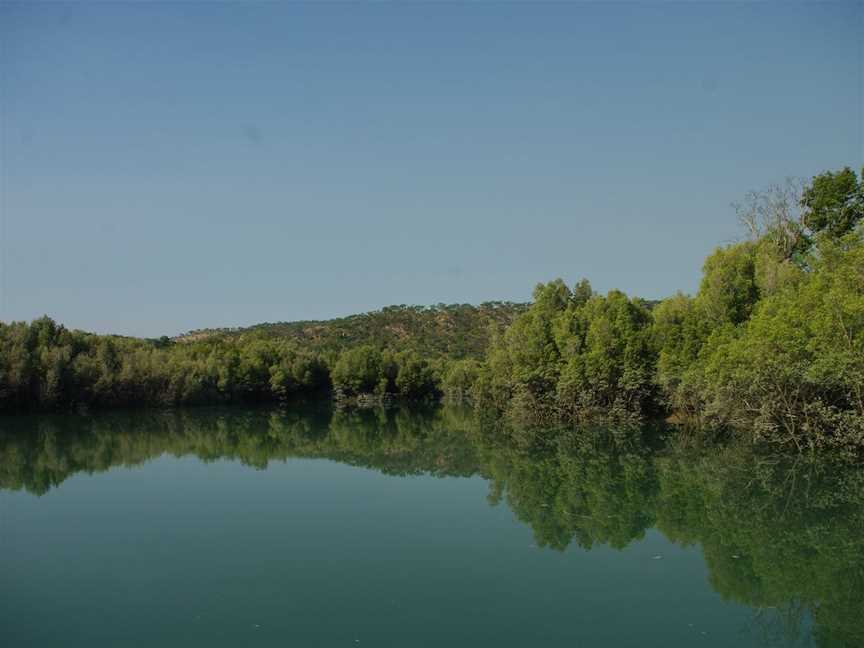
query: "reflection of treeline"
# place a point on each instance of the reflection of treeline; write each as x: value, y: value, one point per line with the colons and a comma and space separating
x: 591, y: 488
x: 784, y: 536
x: 38, y: 452
x: 777, y: 534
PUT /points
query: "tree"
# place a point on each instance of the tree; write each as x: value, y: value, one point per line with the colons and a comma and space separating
x: 415, y: 379
x: 728, y: 291
x: 459, y: 379
x: 358, y: 370
x: 794, y: 373
x: 834, y: 202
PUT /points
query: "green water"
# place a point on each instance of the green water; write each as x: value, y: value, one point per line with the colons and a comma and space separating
x: 255, y: 527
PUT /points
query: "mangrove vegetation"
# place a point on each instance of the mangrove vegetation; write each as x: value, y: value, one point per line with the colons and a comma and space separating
x: 771, y: 345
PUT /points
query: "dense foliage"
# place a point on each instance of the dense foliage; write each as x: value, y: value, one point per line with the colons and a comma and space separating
x: 573, y: 353
x: 398, y: 351
x: 46, y: 366
x: 772, y: 344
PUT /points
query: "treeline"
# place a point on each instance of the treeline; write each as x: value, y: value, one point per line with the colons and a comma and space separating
x: 772, y: 343
x: 397, y: 352
x: 44, y: 366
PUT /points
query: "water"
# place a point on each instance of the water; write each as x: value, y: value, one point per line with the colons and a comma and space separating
x: 255, y: 527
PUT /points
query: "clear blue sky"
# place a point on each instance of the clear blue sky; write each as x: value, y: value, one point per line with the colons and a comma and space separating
x: 183, y: 165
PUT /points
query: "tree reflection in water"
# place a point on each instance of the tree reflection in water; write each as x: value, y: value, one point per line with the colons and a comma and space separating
x: 782, y: 535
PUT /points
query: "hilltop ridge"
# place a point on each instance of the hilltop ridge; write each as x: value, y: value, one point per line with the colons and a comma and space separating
x: 453, y: 330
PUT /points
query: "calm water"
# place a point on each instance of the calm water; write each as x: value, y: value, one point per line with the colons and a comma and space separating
x: 254, y: 527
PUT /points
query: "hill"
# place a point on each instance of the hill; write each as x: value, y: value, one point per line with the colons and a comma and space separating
x: 451, y: 330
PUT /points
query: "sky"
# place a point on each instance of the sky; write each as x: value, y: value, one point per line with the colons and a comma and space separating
x: 173, y: 166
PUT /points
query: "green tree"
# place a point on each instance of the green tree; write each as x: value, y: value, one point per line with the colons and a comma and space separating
x: 415, y: 379
x: 358, y: 370
x: 834, y: 202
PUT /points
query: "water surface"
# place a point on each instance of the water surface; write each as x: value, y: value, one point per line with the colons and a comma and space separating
x: 259, y: 527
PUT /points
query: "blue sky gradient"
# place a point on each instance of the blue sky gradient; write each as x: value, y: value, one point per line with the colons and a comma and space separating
x: 183, y: 165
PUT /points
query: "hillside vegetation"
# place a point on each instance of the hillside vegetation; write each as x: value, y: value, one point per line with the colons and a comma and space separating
x: 450, y: 330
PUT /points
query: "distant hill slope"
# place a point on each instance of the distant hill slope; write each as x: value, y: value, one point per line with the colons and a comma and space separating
x: 452, y: 330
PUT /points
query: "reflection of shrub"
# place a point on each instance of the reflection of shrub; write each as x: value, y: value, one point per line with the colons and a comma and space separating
x: 773, y: 532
